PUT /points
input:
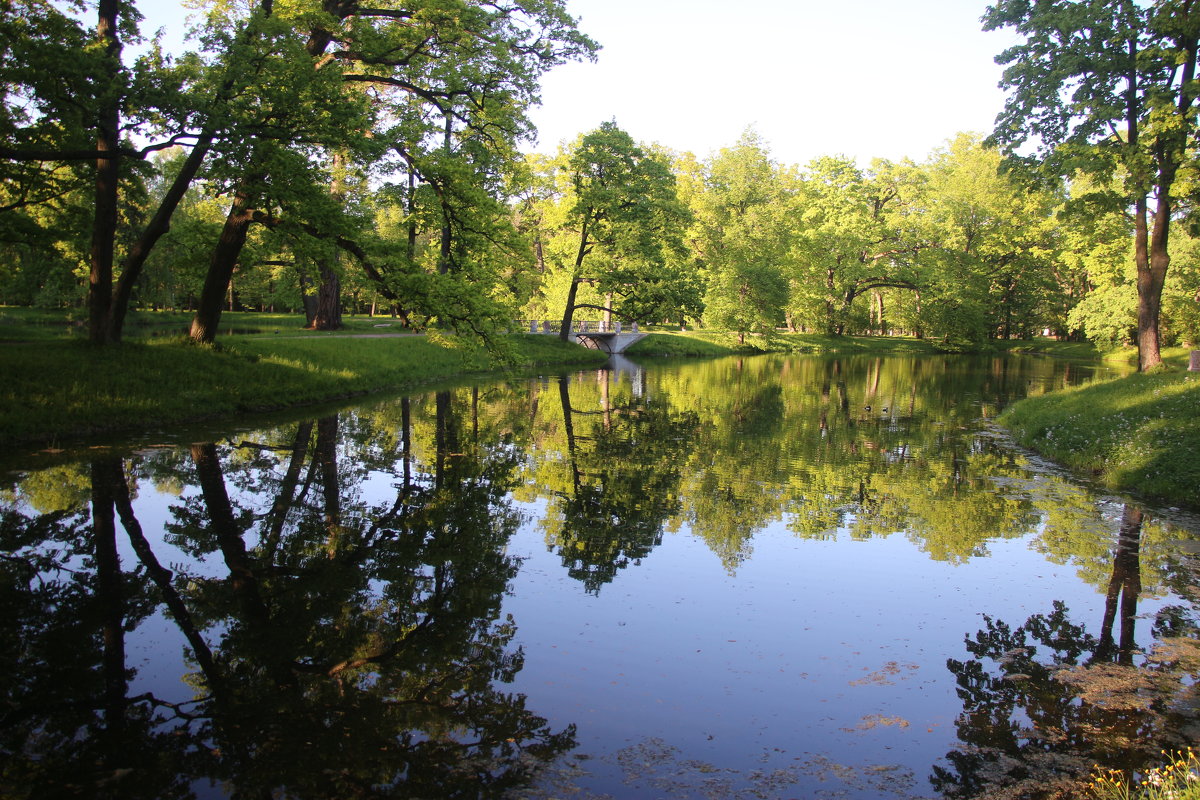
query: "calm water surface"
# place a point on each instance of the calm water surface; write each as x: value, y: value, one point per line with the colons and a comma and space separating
x: 747, y: 577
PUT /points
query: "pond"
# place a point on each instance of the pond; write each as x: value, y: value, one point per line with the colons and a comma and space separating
x: 744, y: 577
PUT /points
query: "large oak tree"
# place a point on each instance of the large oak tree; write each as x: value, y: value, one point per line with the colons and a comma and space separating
x: 1108, y: 88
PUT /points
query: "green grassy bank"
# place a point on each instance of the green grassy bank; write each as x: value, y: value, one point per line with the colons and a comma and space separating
x: 719, y: 343
x: 57, y: 390
x: 1139, y: 433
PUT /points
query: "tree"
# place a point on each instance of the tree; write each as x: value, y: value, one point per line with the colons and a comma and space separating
x: 1108, y: 88
x: 992, y: 246
x: 741, y: 236
x: 449, y: 84
x: 850, y: 239
x: 624, y: 220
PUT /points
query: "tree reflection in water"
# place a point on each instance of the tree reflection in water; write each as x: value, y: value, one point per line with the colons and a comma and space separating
x: 1046, y: 702
x: 336, y: 587
x: 625, y: 468
x: 340, y: 648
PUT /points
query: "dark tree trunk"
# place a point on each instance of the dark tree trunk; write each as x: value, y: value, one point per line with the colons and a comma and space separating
x: 160, y: 224
x: 326, y: 457
x: 328, y: 306
x: 161, y: 577
x: 308, y: 297
x: 569, y: 312
x: 1152, y: 261
x: 1126, y: 583
x: 564, y: 398
x: 445, y: 435
x: 220, y: 268
x: 243, y: 580
x: 445, y: 262
x: 277, y: 516
x: 109, y: 594
x: 572, y: 293
x: 108, y: 170
x: 329, y: 295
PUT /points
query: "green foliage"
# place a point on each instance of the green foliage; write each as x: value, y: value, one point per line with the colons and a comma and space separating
x: 740, y: 231
x: 608, y: 225
x: 1106, y: 90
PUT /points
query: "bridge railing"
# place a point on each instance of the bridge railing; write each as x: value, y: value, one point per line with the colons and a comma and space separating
x: 578, y: 326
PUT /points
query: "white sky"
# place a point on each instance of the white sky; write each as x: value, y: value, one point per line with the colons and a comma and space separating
x: 862, y: 78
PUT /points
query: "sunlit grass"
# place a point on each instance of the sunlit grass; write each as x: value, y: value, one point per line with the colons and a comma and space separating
x: 54, y: 390
x: 1139, y: 433
x: 23, y: 324
x: 713, y: 343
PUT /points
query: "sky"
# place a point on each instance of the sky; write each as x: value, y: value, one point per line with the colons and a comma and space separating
x: 861, y: 78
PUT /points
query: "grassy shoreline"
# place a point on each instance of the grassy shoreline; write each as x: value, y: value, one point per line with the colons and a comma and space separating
x: 1139, y: 433
x: 56, y: 391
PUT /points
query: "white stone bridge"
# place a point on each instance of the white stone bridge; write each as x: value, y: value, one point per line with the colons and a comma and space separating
x: 612, y: 338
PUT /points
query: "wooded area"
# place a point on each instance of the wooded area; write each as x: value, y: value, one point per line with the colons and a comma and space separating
x: 324, y: 155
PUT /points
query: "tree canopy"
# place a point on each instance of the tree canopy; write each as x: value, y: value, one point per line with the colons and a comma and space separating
x: 326, y: 153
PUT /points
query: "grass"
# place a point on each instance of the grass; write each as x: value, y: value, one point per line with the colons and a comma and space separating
x: 1178, y: 779
x: 58, y: 390
x: 717, y: 343
x: 1139, y: 433
x: 33, y: 324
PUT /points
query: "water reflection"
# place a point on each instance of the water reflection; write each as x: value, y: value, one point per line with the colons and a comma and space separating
x: 624, y: 463
x: 319, y: 609
x: 339, y: 645
x: 1047, y: 701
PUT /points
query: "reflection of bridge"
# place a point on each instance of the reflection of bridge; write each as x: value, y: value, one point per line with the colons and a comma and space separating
x: 611, y: 338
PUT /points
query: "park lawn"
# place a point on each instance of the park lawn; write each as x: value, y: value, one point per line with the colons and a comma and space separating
x: 34, y: 324
x: 718, y: 343
x: 1139, y: 433
x: 59, y: 390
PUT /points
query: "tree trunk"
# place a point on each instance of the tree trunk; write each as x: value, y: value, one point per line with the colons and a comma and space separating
x: 161, y: 577
x: 564, y: 397
x: 326, y: 457
x: 237, y: 224
x: 1152, y: 261
x: 445, y: 436
x: 573, y: 292
x: 160, y: 224
x: 1126, y: 583
x: 108, y: 170
x: 564, y: 332
x: 411, y: 207
x: 328, y: 316
x: 444, y: 259
x: 309, y: 299
x: 539, y: 254
x: 220, y: 268
x: 829, y: 299
x: 109, y: 594
x: 329, y: 296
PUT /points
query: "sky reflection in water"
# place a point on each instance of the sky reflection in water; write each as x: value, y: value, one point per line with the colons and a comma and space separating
x: 740, y: 577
